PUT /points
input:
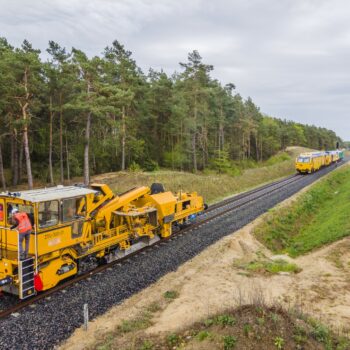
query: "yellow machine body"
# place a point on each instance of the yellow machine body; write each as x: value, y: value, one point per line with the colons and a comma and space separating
x: 72, y: 223
x: 313, y: 161
x: 310, y: 162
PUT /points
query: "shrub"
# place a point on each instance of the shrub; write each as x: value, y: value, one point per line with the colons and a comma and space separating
x: 209, y: 322
x: 225, y: 320
x: 279, y: 342
x: 229, y: 342
x: 173, y: 339
x: 202, y: 335
x: 247, y: 329
x: 280, y: 157
x: 141, y: 322
x: 320, y: 333
x: 147, y: 345
x: 272, y: 267
x: 171, y: 294
x: 134, y: 167
x: 154, y: 307
x: 150, y: 165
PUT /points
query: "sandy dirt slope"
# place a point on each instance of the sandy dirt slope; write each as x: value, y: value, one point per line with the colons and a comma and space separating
x: 212, y: 282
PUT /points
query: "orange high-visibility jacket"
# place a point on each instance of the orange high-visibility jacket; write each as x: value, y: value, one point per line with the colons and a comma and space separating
x: 24, y: 224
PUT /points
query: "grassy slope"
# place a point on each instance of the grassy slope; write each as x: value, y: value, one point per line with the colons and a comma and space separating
x: 320, y: 216
x: 212, y: 187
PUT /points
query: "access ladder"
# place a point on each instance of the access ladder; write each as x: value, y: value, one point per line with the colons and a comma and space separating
x: 26, y: 277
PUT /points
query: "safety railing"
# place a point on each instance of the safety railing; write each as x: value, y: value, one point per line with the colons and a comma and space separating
x: 105, y: 235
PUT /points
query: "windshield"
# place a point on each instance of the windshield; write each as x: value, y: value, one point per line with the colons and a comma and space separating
x: 303, y: 160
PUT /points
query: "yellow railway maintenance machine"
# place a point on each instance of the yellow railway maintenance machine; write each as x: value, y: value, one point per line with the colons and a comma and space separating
x: 74, y: 225
x: 311, y: 162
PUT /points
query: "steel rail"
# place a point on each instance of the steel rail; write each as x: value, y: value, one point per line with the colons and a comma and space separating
x: 247, y: 193
x: 63, y: 285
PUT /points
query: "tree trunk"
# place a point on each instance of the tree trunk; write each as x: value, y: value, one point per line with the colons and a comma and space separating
x: 243, y: 146
x: 249, y: 144
x: 20, y: 161
x: 204, y: 145
x: 27, y: 155
x: 2, y: 174
x: 67, y: 159
x: 115, y: 134
x: 123, y: 138
x: 14, y: 158
x: 50, y: 144
x: 86, y: 150
x: 193, y: 141
x: 61, y: 141
x: 25, y: 130
x: 193, y: 144
x: 172, y: 152
x: 87, y: 142
x: 180, y: 141
x: 221, y: 131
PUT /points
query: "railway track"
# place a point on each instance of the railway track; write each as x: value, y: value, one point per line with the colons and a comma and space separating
x: 234, y: 198
x: 247, y: 205
x: 211, y: 213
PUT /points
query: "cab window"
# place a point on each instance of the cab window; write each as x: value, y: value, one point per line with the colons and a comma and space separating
x: 70, y: 208
x: 186, y: 205
x: 21, y: 208
x: 48, y: 214
x: 303, y: 160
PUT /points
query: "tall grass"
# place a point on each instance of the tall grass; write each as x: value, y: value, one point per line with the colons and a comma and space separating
x: 211, y: 186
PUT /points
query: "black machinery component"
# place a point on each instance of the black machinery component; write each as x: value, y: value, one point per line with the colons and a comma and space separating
x: 65, y: 268
x: 157, y: 188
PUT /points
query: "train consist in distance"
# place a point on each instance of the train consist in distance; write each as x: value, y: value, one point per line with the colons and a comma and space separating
x: 308, y: 163
x: 75, y: 226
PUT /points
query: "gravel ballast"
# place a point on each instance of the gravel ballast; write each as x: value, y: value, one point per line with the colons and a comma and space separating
x: 53, y: 320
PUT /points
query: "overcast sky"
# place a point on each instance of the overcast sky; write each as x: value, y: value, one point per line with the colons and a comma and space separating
x: 291, y: 56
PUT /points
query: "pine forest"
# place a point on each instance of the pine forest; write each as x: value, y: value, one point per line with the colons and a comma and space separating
x: 72, y: 115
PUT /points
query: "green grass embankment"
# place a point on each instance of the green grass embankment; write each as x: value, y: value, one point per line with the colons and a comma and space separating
x: 319, y: 216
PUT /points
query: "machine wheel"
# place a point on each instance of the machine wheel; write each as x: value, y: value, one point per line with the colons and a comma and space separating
x: 157, y: 188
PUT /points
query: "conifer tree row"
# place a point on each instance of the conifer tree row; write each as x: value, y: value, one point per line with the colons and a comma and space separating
x: 75, y: 116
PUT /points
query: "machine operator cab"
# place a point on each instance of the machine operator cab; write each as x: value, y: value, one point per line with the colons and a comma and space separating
x: 57, y: 215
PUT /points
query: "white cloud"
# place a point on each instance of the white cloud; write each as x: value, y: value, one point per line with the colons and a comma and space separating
x: 290, y: 56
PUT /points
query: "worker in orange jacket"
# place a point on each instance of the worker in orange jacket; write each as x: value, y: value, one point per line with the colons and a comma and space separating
x: 24, y: 228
